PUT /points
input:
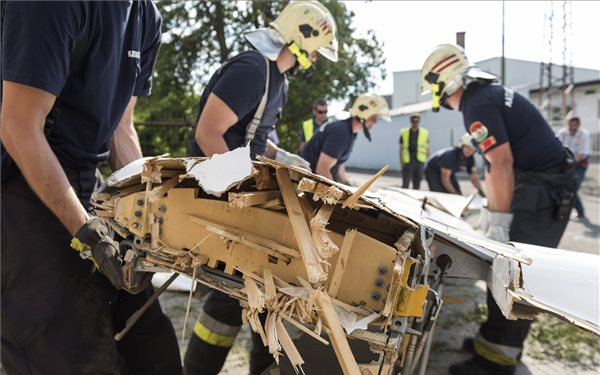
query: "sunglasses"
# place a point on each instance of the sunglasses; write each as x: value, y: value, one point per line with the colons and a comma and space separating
x: 321, y: 112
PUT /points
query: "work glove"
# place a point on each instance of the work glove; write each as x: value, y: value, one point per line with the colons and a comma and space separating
x: 499, y: 229
x: 92, y: 240
x: 289, y: 158
x: 483, y: 222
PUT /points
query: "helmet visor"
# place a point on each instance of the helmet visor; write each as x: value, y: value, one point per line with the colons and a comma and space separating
x: 330, y: 52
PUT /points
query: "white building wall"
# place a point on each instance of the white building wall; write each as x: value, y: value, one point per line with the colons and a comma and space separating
x: 445, y: 126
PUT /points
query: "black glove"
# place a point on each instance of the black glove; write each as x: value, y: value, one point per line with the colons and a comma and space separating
x: 94, y: 242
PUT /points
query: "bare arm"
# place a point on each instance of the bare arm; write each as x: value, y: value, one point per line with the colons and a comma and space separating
x: 445, y: 177
x: 341, y: 174
x: 324, y: 165
x: 500, y: 181
x: 124, y: 145
x: 24, y: 110
x: 475, y: 180
x: 214, y: 121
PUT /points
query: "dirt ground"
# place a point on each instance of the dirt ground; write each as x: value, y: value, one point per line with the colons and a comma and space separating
x: 553, y: 347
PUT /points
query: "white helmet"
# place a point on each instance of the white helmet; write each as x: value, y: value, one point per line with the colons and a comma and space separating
x: 368, y: 105
x: 305, y: 27
x: 444, y: 72
x: 466, y: 140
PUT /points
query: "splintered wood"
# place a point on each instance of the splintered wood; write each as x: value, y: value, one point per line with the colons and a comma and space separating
x: 289, y: 244
x: 316, y: 274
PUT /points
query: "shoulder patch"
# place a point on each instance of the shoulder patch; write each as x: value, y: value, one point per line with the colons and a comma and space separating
x: 478, y: 131
x: 487, y: 143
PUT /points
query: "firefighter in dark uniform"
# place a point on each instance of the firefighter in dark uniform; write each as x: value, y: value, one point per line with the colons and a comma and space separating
x: 242, y: 103
x: 530, y: 181
x: 441, y: 168
x: 70, y: 81
x: 329, y: 149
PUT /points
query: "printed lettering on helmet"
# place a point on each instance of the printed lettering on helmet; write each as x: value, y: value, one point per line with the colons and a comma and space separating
x: 487, y: 143
x: 478, y: 131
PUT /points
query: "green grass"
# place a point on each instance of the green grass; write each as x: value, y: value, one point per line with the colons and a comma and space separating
x: 551, y: 338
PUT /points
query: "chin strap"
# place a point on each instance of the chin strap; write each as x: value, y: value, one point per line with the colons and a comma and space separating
x: 365, y: 130
x: 301, y: 56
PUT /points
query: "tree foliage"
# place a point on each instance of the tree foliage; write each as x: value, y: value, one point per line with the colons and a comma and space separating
x: 198, y: 36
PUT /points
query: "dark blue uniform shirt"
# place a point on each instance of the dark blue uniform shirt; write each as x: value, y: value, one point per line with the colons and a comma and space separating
x: 117, y: 43
x: 495, y: 115
x: 450, y: 158
x: 335, y: 139
x: 240, y: 83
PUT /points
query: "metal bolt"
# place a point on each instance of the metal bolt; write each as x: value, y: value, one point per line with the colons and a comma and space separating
x: 136, y: 225
x: 379, y: 282
x: 382, y: 270
x: 162, y: 208
x: 375, y: 296
x: 138, y: 213
x: 140, y: 202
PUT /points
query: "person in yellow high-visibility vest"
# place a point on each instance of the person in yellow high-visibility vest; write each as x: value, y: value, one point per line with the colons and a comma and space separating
x: 311, y: 125
x: 414, y: 151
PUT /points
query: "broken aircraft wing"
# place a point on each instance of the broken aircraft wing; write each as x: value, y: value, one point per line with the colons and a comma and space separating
x: 327, y: 258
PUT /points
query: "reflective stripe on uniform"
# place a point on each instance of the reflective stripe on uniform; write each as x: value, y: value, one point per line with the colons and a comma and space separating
x: 501, y: 354
x: 308, y: 128
x: 422, y: 144
x: 213, y: 332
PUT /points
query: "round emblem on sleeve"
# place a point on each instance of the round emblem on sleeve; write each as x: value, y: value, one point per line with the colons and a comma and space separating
x: 478, y: 131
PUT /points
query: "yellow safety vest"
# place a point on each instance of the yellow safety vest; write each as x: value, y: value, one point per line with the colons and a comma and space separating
x: 422, y: 144
x: 309, y: 129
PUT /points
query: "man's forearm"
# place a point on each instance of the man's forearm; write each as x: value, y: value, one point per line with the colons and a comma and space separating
x: 448, y: 185
x: 500, y: 182
x: 124, y: 147
x: 212, y: 143
x: 475, y: 181
x: 45, y: 176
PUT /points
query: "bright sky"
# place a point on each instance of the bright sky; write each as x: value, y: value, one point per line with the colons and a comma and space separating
x: 410, y: 30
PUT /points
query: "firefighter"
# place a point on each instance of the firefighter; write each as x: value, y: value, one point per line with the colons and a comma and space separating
x: 70, y: 82
x: 242, y: 103
x: 530, y: 181
x: 441, y: 168
x: 311, y: 126
x: 329, y: 149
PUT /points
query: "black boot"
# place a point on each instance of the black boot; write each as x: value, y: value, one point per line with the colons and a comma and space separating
x: 479, y: 366
x: 468, y: 346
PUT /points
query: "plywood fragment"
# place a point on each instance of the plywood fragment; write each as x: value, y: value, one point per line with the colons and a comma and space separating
x: 155, y: 194
x: 242, y: 200
x: 336, y: 334
x: 286, y: 342
x: 315, y: 272
x: 340, y: 267
x: 320, y: 235
x: 361, y: 190
x: 329, y: 194
x: 307, y: 185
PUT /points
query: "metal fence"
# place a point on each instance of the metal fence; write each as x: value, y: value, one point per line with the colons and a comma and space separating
x: 595, y: 155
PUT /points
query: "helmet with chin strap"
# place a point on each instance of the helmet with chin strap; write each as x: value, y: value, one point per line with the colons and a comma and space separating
x: 302, y: 26
x: 446, y: 70
x: 367, y: 105
x: 466, y: 140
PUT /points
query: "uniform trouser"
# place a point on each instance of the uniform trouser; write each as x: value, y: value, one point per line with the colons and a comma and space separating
x: 534, y: 222
x: 59, y: 315
x: 214, y: 334
x: 580, y: 177
x: 412, y: 170
x: 434, y: 180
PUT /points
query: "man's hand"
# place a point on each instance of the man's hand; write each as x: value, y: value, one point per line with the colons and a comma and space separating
x: 499, y: 229
x: 94, y: 242
x: 287, y: 157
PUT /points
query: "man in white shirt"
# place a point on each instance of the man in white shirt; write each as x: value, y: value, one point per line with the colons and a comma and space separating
x: 579, y: 142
